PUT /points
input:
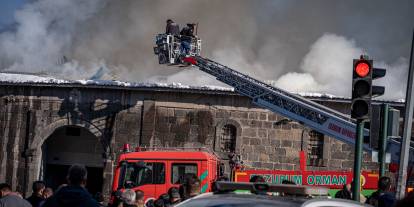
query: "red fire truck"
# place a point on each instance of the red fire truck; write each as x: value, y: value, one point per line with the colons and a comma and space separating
x: 155, y: 170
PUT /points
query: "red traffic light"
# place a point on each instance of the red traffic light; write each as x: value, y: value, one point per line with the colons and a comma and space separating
x: 362, y: 69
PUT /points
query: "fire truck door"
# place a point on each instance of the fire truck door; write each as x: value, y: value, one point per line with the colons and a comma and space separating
x: 180, y: 168
x: 150, y: 177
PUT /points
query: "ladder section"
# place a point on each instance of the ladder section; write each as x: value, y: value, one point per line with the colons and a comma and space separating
x: 313, y: 115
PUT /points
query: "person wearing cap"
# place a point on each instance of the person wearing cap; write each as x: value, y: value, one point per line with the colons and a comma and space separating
x: 139, y: 198
x: 128, y: 198
x: 187, y: 34
x: 175, y: 197
x: 172, y: 28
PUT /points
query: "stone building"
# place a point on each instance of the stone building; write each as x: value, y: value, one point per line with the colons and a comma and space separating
x: 46, y: 127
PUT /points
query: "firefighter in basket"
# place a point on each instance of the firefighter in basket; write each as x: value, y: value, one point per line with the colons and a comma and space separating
x: 187, y: 35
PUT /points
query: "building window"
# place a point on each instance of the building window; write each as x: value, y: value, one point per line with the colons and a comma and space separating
x: 315, y: 148
x: 228, y: 138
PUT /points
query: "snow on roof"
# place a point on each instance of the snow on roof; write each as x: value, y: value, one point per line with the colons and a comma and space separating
x: 319, y: 95
x: 19, y: 78
x: 28, y: 78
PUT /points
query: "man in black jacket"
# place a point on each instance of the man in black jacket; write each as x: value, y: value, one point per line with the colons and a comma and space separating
x: 382, y: 197
x: 187, y: 34
x: 75, y: 194
x: 172, y: 28
x: 37, y: 195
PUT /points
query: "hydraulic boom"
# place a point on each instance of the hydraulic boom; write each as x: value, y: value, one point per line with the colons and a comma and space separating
x: 320, y: 118
x: 316, y: 116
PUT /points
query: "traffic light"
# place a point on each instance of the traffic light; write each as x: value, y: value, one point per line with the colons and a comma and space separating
x: 362, y: 88
x: 377, y: 90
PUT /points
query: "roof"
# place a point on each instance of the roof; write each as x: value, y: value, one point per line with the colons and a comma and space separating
x: 168, y: 155
x: 18, y: 79
x: 41, y: 80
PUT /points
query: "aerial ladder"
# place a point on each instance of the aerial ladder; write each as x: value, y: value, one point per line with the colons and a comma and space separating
x: 292, y: 106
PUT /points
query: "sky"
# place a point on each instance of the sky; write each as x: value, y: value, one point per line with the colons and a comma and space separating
x: 298, y: 45
x: 7, y: 9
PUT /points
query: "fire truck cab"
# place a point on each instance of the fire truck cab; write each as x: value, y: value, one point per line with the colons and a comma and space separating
x: 154, y: 171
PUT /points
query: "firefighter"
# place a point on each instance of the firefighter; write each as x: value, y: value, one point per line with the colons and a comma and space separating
x: 187, y: 34
x: 172, y: 28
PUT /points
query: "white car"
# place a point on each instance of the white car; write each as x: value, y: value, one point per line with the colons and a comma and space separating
x: 229, y: 194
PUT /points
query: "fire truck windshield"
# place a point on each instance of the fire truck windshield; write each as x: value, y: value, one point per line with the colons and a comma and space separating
x: 136, y: 174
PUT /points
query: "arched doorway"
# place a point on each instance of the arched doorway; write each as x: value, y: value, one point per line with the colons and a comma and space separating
x: 69, y: 145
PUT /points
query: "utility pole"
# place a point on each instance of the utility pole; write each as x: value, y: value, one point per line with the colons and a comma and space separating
x: 383, y: 140
x: 356, y: 188
x: 408, y: 119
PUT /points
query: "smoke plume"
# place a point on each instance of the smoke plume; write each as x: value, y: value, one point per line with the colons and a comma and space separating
x: 301, y: 46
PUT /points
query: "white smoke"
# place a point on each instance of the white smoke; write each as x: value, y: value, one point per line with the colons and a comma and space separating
x: 188, y: 76
x: 395, y: 80
x: 44, y: 33
x: 328, y: 68
x: 113, y: 40
x: 298, y: 82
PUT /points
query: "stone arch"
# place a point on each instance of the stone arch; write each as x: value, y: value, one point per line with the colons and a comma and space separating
x: 219, y: 126
x: 42, y: 134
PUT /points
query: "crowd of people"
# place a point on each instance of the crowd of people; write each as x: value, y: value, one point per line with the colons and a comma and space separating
x: 75, y: 194
x: 72, y: 194
x: 383, y: 197
x: 190, y: 187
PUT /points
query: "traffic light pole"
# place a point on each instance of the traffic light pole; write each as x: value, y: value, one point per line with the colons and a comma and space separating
x: 356, y: 188
x: 383, y: 140
x: 408, y: 119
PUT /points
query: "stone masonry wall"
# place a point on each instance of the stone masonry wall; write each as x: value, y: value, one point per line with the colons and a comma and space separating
x: 154, y: 118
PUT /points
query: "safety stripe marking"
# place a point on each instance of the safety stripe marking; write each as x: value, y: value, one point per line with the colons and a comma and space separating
x: 204, y: 175
x: 204, y: 188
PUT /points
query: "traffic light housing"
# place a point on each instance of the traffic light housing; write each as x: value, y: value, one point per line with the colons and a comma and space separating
x: 377, y: 90
x: 362, y: 88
